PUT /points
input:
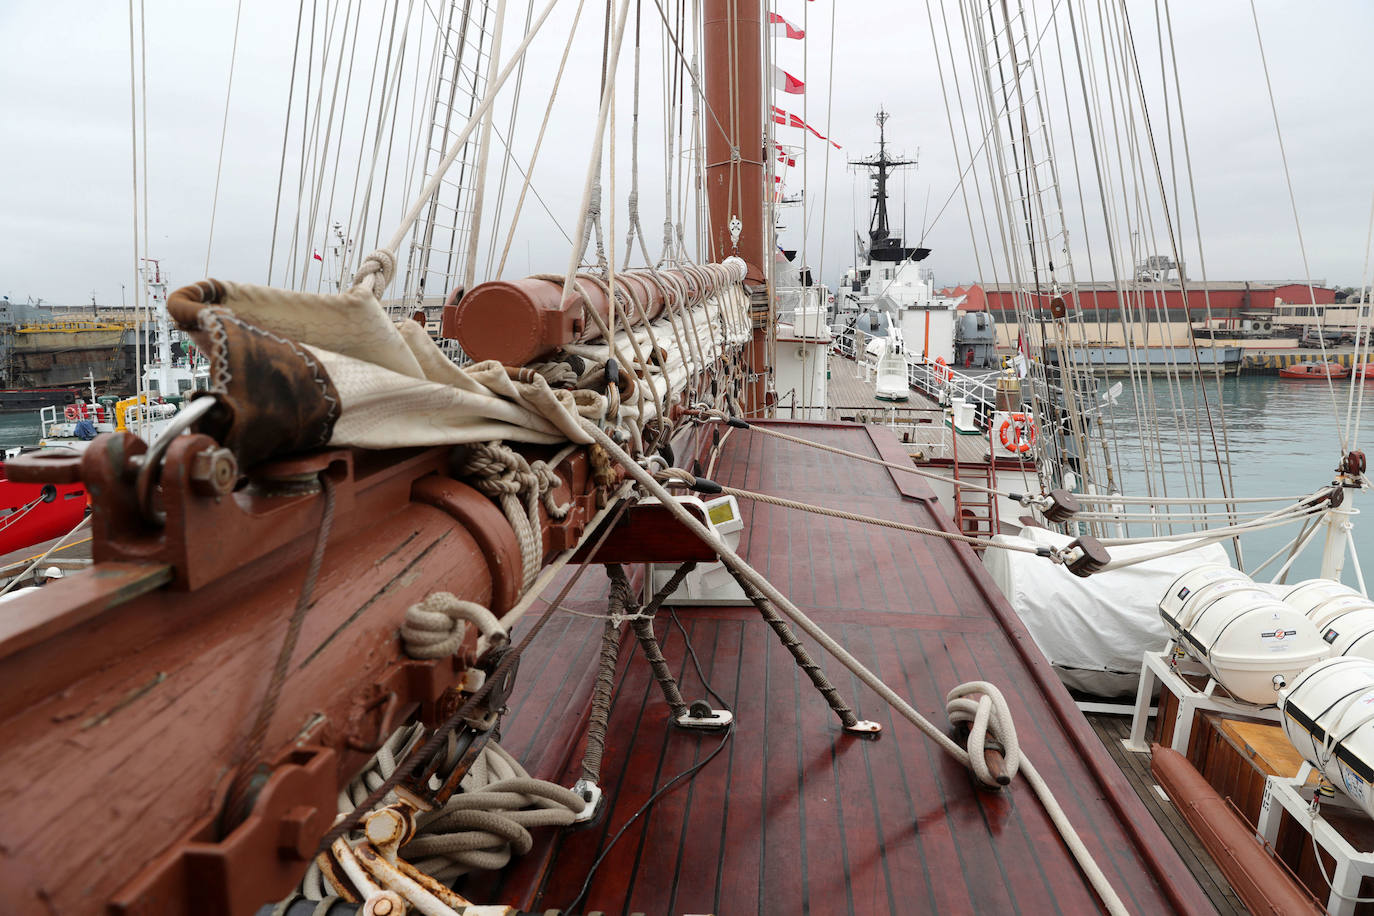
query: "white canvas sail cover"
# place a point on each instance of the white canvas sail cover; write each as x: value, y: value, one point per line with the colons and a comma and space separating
x: 1093, y: 630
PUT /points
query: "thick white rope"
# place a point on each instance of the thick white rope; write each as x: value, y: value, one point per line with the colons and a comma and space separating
x: 373, y: 268
x: 435, y: 627
x: 518, y: 485
x: 592, y: 183
x: 1089, y: 866
x: 480, y: 827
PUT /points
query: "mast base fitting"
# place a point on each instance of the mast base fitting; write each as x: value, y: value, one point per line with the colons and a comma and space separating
x: 1091, y: 556
x: 865, y: 728
x: 700, y: 715
x: 590, y: 793
x: 1062, y: 506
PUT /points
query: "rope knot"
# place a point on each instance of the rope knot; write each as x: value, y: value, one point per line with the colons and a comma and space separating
x: 547, y: 482
x: 436, y: 626
x: 375, y: 272
x: 981, y: 708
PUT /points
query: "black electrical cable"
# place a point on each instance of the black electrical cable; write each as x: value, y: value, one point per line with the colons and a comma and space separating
x: 666, y: 787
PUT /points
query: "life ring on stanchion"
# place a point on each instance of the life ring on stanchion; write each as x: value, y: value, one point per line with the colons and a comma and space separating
x: 1022, y: 434
x: 71, y: 413
x: 941, y: 370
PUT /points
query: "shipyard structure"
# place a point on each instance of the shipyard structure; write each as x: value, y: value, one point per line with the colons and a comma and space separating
x: 51, y: 347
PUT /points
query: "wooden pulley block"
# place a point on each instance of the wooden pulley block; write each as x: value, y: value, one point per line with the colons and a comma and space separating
x: 1062, y: 506
x: 1058, y: 308
x: 1092, y: 556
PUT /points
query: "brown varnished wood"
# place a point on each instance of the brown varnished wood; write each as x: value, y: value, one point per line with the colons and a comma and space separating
x: 794, y: 815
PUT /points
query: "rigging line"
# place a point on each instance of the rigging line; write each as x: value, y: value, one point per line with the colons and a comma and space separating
x: 1362, y: 332
x: 1086, y: 76
x: 1206, y: 293
x: 484, y: 149
x: 1357, y: 373
x: 691, y: 71
x: 432, y: 185
x: 302, y: 166
x: 391, y: 134
x: 133, y: 163
x: 527, y: 174
x: 383, y: 102
x: 285, y: 135
x: 328, y: 139
x: 510, y: 132
x: 1110, y: 452
x: 223, y: 132
x: 1176, y: 243
x: 594, y: 164
x: 355, y: 229
x: 1297, y: 223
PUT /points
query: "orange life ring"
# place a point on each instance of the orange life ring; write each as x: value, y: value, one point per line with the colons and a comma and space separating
x: 71, y: 413
x: 942, y: 373
x: 1022, y: 434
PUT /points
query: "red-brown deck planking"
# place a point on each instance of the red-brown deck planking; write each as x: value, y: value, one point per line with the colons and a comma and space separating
x: 794, y: 815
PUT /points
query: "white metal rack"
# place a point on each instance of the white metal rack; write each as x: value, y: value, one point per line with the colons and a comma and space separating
x: 1160, y: 668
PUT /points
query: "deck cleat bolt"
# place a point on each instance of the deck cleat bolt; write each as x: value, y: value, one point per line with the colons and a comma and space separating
x: 214, y: 471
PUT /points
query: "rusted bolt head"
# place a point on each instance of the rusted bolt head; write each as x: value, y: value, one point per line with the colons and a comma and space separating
x: 214, y: 471
x: 384, y: 903
x: 385, y: 827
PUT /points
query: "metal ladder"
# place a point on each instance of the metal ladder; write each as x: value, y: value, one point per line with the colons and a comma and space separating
x: 441, y: 235
x: 975, y: 512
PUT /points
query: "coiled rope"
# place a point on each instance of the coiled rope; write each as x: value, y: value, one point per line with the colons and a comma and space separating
x: 518, y: 485
x: 435, y: 627
x: 480, y: 827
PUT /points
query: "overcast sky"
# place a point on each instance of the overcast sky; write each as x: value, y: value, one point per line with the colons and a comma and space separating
x: 66, y: 218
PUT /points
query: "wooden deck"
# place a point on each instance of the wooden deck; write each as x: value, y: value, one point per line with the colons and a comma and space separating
x: 793, y: 815
x: 1113, y: 730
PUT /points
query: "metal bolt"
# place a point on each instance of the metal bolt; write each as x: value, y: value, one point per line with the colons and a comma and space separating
x: 383, y: 907
x: 214, y: 471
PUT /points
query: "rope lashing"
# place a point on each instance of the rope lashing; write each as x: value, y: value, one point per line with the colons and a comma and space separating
x: 375, y: 272
x: 435, y: 627
x: 618, y: 604
x: 518, y: 485
x: 803, y: 658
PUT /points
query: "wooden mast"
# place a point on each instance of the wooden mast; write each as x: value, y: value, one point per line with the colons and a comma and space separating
x: 735, y: 174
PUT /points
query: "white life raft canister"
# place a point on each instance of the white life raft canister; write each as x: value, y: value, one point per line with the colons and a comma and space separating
x: 1251, y: 642
x: 1351, y: 633
x: 1323, y: 599
x: 1328, y: 715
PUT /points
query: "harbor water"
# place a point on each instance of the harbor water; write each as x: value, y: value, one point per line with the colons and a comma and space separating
x: 1283, y: 437
x: 1284, y: 440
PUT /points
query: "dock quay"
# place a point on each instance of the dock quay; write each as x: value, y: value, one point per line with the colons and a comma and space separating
x: 1234, y: 358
